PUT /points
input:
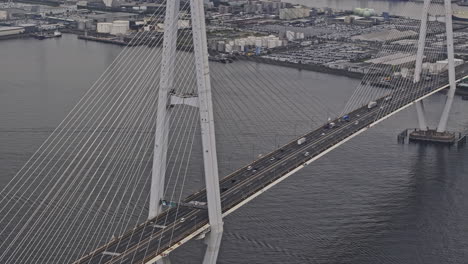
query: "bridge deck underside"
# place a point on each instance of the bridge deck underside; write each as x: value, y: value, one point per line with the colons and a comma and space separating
x: 149, y: 240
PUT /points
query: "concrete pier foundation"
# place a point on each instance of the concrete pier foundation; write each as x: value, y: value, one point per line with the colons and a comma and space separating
x: 432, y: 136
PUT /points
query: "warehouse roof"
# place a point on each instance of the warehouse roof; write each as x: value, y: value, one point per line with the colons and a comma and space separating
x: 394, y: 59
x: 386, y: 35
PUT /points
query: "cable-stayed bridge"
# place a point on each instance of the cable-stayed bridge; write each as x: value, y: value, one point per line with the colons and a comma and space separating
x: 247, y: 183
x: 184, y: 82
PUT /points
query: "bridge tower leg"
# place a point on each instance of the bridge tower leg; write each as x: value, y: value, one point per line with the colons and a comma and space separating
x: 207, y: 131
x: 419, y: 60
x: 163, y: 115
x: 166, y: 82
x: 451, y: 67
x: 205, y: 105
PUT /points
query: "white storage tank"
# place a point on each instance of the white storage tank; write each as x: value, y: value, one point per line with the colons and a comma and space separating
x: 104, y: 27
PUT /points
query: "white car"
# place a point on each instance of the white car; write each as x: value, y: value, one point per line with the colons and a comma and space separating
x: 182, y: 219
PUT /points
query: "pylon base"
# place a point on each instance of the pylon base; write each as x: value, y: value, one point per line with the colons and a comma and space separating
x: 432, y: 136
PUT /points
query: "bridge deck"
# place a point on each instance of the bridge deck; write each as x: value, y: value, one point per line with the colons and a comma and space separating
x: 149, y: 240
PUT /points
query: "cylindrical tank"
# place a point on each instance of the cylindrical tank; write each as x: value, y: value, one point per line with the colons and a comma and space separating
x: 358, y: 11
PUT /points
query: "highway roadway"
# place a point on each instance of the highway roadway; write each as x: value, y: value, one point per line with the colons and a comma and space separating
x: 153, y: 237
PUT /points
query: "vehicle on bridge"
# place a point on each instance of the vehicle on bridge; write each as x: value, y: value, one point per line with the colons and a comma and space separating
x: 301, y: 141
x: 371, y: 105
x: 330, y: 125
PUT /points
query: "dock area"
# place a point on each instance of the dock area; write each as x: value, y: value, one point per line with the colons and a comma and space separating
x: 112, y: 40
x: 431, y: 136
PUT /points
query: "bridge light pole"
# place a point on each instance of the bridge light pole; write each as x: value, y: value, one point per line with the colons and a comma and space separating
x: 451, y: 67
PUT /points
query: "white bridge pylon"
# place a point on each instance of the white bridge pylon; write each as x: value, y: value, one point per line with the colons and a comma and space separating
x: 203, y: 100
x: 442, y: 126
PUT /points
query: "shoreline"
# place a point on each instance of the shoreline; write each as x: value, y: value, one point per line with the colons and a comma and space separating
x: 308, y: 67
x: 15, y: 36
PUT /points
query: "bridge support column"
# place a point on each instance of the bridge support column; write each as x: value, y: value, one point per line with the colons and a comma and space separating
x: 165, y: 260
x: 451, y: 67
x: 207, y: 131
x: 419, y: 60
x: 213, y: 242
x: 163, y: 115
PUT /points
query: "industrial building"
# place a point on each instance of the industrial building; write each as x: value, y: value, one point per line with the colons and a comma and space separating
x: 110, y: 17
x: 294, y: 13
x: 386, y: 35
x: 252, y: 42
x: 396, y: 59
x: 3, y: 15
x: 440, y: 66
x: 12, y: 13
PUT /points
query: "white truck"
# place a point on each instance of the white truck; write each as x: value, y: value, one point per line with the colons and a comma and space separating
x: 371, y: 104
x: 301, y: 141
